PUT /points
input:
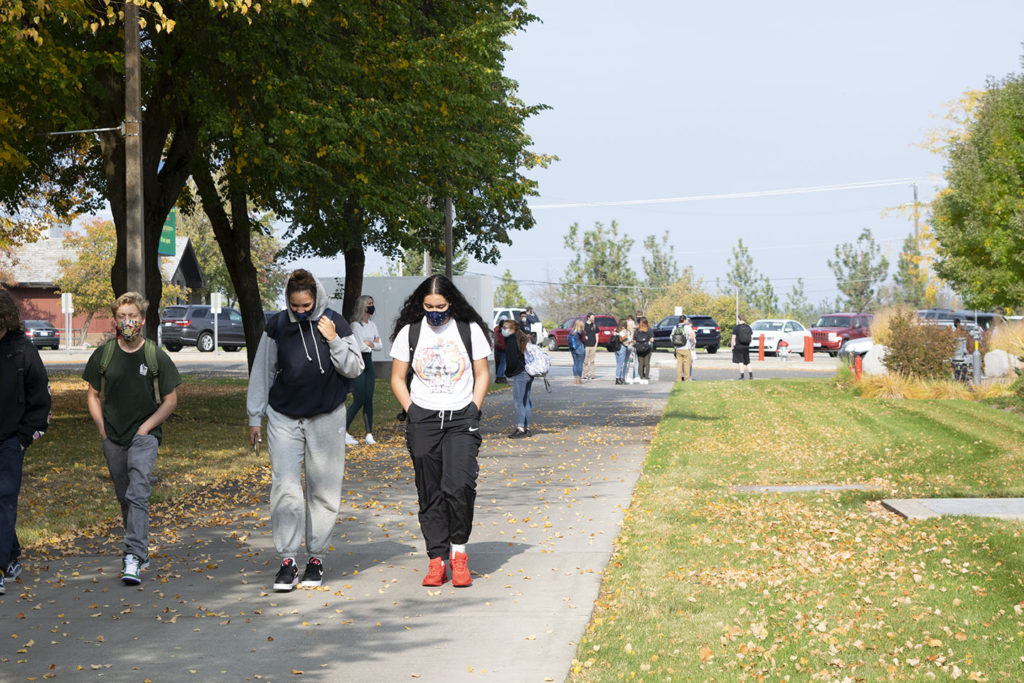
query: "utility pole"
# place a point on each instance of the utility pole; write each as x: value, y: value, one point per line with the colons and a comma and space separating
x: 917, y: 232
x: 449, y: 247
x: 134, y: 224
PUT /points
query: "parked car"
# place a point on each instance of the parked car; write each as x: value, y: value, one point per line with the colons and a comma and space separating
x: 833, y: 330
x: 856, y: 347
x: 983, y: 319
x: 709, y: 334
x: 193, y: 326
x: 511, y: 313
x: 776, y: 330
x: 944, y: 317
x: 42, y: 334
x: 559, y: 337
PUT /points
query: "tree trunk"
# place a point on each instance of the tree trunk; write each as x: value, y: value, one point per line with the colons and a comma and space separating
x: 234, y: 235
x: 85, y: 328
x: 355, y: 259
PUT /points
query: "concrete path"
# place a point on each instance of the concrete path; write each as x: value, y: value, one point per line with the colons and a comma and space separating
x: 923, y: 508
x: 548, y: 510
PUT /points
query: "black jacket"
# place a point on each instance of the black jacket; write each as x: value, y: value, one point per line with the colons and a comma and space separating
x: 590, y: 334
x: 515, y: 360
x: 24, y: 390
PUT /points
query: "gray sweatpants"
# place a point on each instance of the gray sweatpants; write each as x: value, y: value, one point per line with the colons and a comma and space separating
x: 318, y: 445
x: 130, y: 468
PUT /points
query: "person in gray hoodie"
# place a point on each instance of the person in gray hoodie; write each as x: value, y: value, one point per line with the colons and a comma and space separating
x: 298, y: 382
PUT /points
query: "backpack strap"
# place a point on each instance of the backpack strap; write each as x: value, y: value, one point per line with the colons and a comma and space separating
x: 467, y: 341
x: 149, y: 349
x: 106, y: 355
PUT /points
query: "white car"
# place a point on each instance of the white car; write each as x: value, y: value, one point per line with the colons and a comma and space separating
x: 776, y: 330
x: 856, y: 347
x: 507, y: 313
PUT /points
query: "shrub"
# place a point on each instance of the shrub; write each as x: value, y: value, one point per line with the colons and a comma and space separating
x: 918, y: 349
x: 880, y: 322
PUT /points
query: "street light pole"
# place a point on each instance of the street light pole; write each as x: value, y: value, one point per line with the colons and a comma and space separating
x: 134, y: 224
x: 449, y: 243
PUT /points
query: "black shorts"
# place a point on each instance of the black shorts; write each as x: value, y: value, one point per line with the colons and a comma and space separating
x: 741, y: 354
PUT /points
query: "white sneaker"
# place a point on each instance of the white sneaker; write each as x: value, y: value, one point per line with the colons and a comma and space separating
x: 350, y: 440
x: 370, y: 440
x: 629, y: 380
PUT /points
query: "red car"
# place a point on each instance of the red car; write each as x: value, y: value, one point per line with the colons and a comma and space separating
x: 560, y: 337
x: 832, y: 330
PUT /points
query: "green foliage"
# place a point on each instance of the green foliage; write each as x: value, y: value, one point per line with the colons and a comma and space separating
x: 752, y: 286
x: 599, y: 278
x: 919, y: 350
x: 859, y: 269
x: 797, y: 306
x: 977, y: 220
x: 508, y: 293
x: 690, y: 293
x: 911, y: 276
x: 660, y: 266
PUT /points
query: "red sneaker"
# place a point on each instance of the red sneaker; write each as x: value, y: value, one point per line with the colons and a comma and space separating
x: 460, y: 570
x: 436, y: 575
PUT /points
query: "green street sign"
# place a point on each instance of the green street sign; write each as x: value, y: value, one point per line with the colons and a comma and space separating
x: 168, y: 234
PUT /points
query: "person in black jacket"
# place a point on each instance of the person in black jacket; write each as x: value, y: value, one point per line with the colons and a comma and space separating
x: 24, y: 416
x: 591, y: 333
x: 515, y: 369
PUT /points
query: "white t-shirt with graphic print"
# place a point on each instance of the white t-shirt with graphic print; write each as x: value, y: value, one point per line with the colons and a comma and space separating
x: 442, y: 369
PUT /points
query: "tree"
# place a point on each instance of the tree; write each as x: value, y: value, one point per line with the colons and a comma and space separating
x: 690, y: 293
x: 751, y: 285
x: 797, y: 305
x: 599, y: 277
x: 977, y: 219
x: 87, y: 276
x: 508, y: 293
x: 412, y: 263
x: 660, y: 267
x: 859, y: 268
x: 911, y: 277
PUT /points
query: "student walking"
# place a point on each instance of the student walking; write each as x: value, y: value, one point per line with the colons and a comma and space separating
x: 643, y: 346
x: 619, y: 345
x: 444, y: 343
x: 368, y: 341
x: 24, y: 416
x: 577, y: 350
x: 740, y: 342
x: 298, y: 382
x: 591, y: 335
x: 515, y: 369
x: 132, y: 391
x: 499, y: 356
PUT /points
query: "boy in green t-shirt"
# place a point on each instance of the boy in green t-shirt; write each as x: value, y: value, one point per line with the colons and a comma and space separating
x: 128, y: 400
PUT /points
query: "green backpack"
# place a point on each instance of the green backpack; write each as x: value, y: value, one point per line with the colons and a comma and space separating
x: 149, y: 349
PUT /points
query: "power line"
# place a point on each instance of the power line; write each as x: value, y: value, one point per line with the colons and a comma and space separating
x: 745, y: 195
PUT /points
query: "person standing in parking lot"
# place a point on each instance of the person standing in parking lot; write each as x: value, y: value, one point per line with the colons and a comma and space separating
x: 740, y: 342
x: 684, y: 341
x: 644, y: 346
x: 591, y: 334
x: 577, y: 350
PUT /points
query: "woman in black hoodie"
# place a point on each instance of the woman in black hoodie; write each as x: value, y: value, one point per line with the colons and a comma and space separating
x: 24, y: 416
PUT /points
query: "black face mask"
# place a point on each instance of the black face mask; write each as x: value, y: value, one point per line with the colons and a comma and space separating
x: 371, y: 309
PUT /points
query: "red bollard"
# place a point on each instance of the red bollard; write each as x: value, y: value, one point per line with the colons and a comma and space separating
x: 760, y: 348
x: 809, y: 349
x: 858, y: 367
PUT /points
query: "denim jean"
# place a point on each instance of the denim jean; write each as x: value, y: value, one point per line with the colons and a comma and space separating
x: 12, y: 458
x: 577, y: 362
x: 499, y: 363
x: 620, y: 362
x: 521, y: 384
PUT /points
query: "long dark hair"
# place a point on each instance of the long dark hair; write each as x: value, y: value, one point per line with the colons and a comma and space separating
x: 412, y: 309
x: 9, y: 318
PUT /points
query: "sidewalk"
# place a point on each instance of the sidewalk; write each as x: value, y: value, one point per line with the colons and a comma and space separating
x: 548, y: 509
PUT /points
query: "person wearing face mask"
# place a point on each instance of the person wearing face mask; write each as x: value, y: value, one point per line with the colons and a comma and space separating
x: 515, y: 369
x: 132, y: 391
x: 368, y: 340
x: 439, y: 375
x: 298, y: 382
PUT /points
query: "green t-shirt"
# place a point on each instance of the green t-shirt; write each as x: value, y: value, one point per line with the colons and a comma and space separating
x: 128, y: 392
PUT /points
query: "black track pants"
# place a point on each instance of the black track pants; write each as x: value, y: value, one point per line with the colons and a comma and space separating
x: 444, y: 447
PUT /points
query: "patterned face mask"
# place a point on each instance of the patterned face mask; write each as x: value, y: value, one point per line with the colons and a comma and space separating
x: 437, y: 318
x: 129, y: 329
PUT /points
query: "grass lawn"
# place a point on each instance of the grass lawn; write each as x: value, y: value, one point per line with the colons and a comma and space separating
x: 710, y: 584
x: 204, y: 462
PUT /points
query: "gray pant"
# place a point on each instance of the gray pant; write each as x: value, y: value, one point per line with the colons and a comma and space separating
x: 130, y: 468
x: 317, y: 444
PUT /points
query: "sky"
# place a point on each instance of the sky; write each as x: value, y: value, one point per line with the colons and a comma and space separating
x: 672, y: 99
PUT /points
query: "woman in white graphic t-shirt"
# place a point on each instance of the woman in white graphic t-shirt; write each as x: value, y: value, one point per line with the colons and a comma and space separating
x: 443, y: 342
